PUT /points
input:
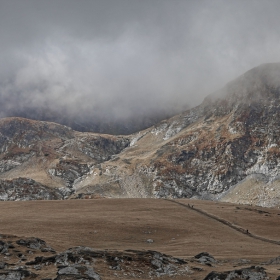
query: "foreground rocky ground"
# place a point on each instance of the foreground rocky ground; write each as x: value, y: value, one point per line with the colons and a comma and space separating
x: 32, y: 258
x: 138, y: 239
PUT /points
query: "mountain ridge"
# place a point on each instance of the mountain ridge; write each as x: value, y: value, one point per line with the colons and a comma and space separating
x: 205, y: 152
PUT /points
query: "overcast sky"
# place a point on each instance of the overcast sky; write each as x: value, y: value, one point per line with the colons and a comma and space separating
x: 129, y: 56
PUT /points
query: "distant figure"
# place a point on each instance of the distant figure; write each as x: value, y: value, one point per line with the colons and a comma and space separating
x: 192, y: 206
x: 247, y: 231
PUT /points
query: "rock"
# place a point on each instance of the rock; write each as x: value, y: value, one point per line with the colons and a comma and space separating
x: 35, y: 244
x: 274, y: 261
x: 16, y: 274
x: 115, y: 267
x: 84, y: 262
x: 26, y: 189
x: 37, y: 267
x: 251, y: 273
x: 77, y: 272
x: 42, y: 260
x: 150, y: 241
x: 2, y: 265
x: 196, y: 268
x: 68, y: 270
x: 91, y: 273
x: 81, y: 260
x: 217, y: 276
x: 4, y: 247
x: 157, y: 263
x: 242, y: 261
x: 203, y: 254
x: 205, y: 258
x: 70, y: 170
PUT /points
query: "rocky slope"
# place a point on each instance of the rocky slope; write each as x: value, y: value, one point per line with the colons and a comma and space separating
x: 41, y: 160
x: 208, y: 150
x: 31, y: 258
x: 211, y: 151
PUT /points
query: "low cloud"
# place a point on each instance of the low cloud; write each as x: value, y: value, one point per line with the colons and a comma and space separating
x: 121, y: 59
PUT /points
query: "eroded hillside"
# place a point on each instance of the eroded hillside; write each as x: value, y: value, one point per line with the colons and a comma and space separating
x: 212, y: 151
x: 206, y: 151
x: 48, y: 155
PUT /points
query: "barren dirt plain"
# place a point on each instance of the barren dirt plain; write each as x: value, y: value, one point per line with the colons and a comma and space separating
x: 235, y: 235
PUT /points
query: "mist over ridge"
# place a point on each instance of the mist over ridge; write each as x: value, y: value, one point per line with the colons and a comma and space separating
x: 126, y: 63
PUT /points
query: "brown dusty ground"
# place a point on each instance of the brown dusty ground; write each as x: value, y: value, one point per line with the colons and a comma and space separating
x: 128, y: 223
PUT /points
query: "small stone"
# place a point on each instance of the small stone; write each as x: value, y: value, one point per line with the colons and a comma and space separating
x: 68, y: 270
x: 150, y: 241
x: 90, y: 272
x: 156, y: 263
x: 37, y: 267
x: 2, y: 265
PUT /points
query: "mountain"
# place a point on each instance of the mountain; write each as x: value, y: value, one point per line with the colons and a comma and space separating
x: 230, y: 140
x: 226, y: 148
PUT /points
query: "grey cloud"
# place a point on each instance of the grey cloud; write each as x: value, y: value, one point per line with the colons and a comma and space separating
x: 123, y: 58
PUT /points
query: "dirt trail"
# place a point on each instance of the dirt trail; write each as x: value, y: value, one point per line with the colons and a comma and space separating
x: 227, y: 223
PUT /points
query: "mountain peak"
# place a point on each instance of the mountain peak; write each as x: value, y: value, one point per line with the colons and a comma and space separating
x: 260, y: 85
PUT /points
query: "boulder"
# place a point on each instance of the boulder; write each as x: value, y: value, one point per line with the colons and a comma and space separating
x: 250, y: 273
x: 35, y: 244
x: 16, y: 274
x: 205, y: 258
x: 77, y: 272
